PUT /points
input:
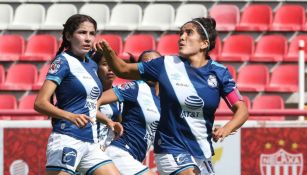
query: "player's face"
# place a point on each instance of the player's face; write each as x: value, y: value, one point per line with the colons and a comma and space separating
x: 105, y: 72
x: 82, y: 39
x: 190, y: 42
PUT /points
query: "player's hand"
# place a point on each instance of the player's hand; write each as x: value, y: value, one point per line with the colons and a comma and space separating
x: 219, y: 133
x: 117, y: 128
x: 80, y: 120
x: 103, y: 47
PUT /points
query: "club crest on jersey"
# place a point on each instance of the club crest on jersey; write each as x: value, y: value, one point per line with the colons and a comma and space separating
x: 193, y: 105
x: 55, y: 66
x: 212, y: 81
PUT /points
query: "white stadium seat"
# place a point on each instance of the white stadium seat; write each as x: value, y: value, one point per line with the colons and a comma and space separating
x: 6, y: 16
x: 157, y: 17
x: 100, y: 12
x: 187, y: 12
x: 57, y: 14
x: 28, y: 17
x: 125, y: 17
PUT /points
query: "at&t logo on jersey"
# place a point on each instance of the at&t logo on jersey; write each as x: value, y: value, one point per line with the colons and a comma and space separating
x: 194, y: 105
x: 69, y: 156
x: 91, y: 98
x: 150, y: 134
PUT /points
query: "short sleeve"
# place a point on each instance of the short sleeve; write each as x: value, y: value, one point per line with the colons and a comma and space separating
x: 230, y: 92
x: 58, y: 70
x: 127, y: 91
x: 228, y: 83
x: 151, y: 70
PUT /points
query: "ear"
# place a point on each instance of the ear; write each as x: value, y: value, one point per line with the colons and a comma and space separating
x: 68, y: 36
x: 204, y: 44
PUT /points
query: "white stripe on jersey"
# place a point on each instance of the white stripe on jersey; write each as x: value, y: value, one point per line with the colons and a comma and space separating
x: 182, y: 85
x: 88, y: 83
x: 150, y: 111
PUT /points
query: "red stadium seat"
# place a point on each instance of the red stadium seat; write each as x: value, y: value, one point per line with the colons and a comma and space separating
x: 40, y: 48
x: 115, y: 41
x: 41, y: 77
x: 215, y: 53
x: 256, y: 17
x: 268, y: 102
x: 8, y: 101
x: 284, y: 78
x: 237, y: 48
x: 137, y: 43
x: 270, y: 48
x: 2, y: 74
x: 224, y: 106
x: 292, y: 54
x: 168, y: 44
x: 232, y: 71
x: 11, y: 47
x: 27, y: 103
x: 253, y: 78
x: 288, y: 18
x: 20, y: 77
x: 227, y: 16
x: 119, y: 81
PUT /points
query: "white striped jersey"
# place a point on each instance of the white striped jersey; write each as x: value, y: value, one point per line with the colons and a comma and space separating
x: 78, y: 91
x: 140, y: 117
x: 189, y: 98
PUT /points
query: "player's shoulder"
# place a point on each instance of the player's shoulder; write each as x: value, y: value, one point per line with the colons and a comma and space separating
x: 128, y: 85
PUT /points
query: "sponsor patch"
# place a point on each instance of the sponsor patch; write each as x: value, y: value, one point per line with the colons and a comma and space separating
x: 69, y: 156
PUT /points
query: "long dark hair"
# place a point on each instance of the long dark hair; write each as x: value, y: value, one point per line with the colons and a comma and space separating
x: 210, y: 26
x: 71, y: 26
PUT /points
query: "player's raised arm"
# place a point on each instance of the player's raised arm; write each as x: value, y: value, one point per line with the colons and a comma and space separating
x: 119, y: 66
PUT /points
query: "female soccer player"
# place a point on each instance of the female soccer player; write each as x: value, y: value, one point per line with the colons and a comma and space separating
x: 72, y: 77
x: 191, y: 86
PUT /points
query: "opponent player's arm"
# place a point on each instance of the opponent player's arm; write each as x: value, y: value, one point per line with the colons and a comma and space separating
x: 43, y: 105
x: 118, y: 65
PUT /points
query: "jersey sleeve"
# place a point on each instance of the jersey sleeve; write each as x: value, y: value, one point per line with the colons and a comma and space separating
x: 230, y: 92
x: 151, y: 70
x: 126, y: 92
x: 59, y: 69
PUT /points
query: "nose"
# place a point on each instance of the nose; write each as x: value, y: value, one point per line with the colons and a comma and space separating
x: 88, y: 38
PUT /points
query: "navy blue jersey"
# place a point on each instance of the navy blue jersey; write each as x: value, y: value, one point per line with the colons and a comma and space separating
x: 78, y: 91
x: 140, y: 117
x: 189, y: 99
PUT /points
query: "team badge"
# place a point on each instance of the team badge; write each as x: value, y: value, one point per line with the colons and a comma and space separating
x: 55, y: 66
x: 212, y: 81
x: 281, y: 163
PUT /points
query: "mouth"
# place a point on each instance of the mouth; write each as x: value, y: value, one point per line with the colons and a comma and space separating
x: 86, y: 47
x: 110, y: 75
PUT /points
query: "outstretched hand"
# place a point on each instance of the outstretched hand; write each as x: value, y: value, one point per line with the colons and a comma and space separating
x: 219, y: 133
